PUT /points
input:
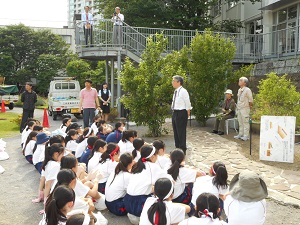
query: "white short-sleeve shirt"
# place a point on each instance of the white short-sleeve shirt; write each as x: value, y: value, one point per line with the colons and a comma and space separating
x: 106, y: 169
x: 72, y: 145
x: 205, y: 184
x: 29, y: 148
x: 94, y: 161
x: 40, y: 149
x: 80, y: 148
x: 125, y: 147
x: 141, y: 183
x: 186, y: 175
x: 116, y: 189
x: 163, y: 161
x: 94, y: 128
x: 138, y: 156
x: 25, y: 134
x: 51, y: 170
x: 202, y: 221
x: 246, y: 213
x: 80, y: 189
x: 175, y: 213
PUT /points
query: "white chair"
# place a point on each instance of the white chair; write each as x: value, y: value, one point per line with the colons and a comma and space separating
x: 234, y: 120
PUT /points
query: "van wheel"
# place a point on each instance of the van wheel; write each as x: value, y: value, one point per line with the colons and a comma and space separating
x: 11, y: 106
x: 50, y: 112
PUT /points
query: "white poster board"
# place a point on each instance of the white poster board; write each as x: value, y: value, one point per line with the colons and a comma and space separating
x: 277, y: 138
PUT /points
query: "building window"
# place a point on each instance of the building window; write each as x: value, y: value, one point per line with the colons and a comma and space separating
x: 216, y: 9
x: 284, y: 30
x: 231, y: 3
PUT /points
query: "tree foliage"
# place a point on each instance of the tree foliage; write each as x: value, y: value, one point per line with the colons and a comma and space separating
x: 210, y: 72
x: 277, y: 96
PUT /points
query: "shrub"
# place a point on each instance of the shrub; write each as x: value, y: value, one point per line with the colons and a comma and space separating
x: 277, y: 96
x: 113, y: 114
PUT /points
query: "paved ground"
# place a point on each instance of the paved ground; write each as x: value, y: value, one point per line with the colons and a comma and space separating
x: 18, y: 184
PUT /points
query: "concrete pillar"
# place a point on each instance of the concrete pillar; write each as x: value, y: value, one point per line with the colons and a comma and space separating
x: 112, y: 87
x: 106, y: 71
x: 119, y: 84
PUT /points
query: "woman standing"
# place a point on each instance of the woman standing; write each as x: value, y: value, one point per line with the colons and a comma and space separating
x: 105, y: 95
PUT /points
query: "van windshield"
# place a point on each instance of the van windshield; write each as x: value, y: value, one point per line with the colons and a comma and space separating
x: 64, y: 86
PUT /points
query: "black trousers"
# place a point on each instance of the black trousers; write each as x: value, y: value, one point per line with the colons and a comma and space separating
x: 88, y: 33
x: 179, y: 123
x: 26, y: 114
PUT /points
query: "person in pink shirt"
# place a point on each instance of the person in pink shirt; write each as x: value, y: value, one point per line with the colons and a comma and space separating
x: 88, y: 102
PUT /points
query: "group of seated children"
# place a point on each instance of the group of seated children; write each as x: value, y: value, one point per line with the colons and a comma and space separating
x: 83, y: 172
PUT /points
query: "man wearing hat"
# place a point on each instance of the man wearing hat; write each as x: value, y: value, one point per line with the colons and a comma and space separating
x: 89, y: 102
x: 28, y: 98
x: 228, y: 112
x: 245, y: 204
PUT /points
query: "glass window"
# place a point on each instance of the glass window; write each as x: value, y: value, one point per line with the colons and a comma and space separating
x: 292, y: 12
x: 282, y: 15
x: 64, y: 86
x: 58, y: 86
x: 71, y: 86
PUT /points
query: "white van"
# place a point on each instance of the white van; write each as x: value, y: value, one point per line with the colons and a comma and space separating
x: 63, y: 97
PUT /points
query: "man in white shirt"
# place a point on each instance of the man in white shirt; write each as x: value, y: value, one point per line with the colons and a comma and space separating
x: 244, y: 105
x: 87, y: 22
x: 117, y: 19
x: 181, y: 107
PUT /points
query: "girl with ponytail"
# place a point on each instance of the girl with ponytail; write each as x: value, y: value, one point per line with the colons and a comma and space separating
x: 27, y: 131
x: 137, y: 144
x: 29, y: 145
x: 108, y: 162
x: 163, y: 160
x: 117, y: 183
x: 215, y: 183
x: 207, y: 211
x: 95, y: 157
x: 88, y: 151
x: 58, y: 206
x: 82, y: 142
x: 159, y: 209
x: 125, y: 143
x: 184, y: 177
x: 144, y: 174
x: 71, y: 140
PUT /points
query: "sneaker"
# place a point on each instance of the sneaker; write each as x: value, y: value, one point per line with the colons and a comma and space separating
x: 101, y: 220
x: 245, y: 138
x: 238, y: 137
x: 133, y: 219
x: 214, y: 131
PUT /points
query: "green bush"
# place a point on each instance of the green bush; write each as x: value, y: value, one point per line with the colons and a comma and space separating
x: 41, y: 101
x: 113, y: 114
x: 277, y: 96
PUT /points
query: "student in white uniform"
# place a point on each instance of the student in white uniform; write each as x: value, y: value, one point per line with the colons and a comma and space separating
x: 144, y: 174
x: 56, y: 208
x: 29, y: 145
x: 79, y: 219
x: 65, y: 123
x: 163, y: 160
x: 95, y: 125
x: 107, y: 165
x: 184, y: 177
x: 27, y: 131
x: 215, y: 183
x: 160, y: 209
x: 207, y: 211
x: 71, y: 140
x: 246, y: 202
x: 125, y: 143
x: 39, y: 149
x: 51, y: 165
x: 82, y: 142
x: 100, y: 146
x: 136, y: 153
x: 116, y: 185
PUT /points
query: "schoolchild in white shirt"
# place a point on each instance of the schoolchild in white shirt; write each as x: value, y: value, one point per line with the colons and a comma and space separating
x: 125, y: 143
x: 107, y: 165
x: 29, y: 145
x: 65, y: 123
x: 160, y: 209
x: 82, y: 142
x: 144, y: 174
x: 116, y: 185
x: 163, y: 160
x: 95, y: 125
x: 207, y: 211
x: 27, y: 131
x: 100, y: 146
x: 71, y: 140
x: 39, y: 149
x: 184, y: 177
x: 136, y: 153
x: 79, y: 219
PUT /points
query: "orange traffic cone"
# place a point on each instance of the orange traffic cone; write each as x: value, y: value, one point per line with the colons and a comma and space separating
x: 3, y: 107
x: 45, y: 119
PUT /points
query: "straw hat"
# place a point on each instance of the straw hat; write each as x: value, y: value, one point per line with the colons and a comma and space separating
x: 228, y: 92
x: 247, y: 186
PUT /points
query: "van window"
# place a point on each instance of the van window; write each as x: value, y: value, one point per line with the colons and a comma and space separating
x: 64, y: 86
x: 71, y: 85
x: 58, y: 86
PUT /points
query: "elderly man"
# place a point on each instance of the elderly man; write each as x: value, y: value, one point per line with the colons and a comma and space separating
x: 244, y: 105
x: 228, y: 112
x: 117, y: 19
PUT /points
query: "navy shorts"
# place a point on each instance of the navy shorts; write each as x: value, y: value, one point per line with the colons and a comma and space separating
x: 29, y: 158
x: 101, y: 188
x: 134, y: 204
x: 186, y: 196
x: 38, y: 167
x: 117, y: 207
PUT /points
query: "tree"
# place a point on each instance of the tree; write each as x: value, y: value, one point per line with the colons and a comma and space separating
x: 277, y: 96
x: 148, y: 87
x: 229, y: 26
x: 210, y: 71
x: 24, y: 45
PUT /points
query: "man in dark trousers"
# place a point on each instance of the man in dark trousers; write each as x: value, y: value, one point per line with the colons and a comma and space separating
x: 181, y: 107
x: 28, y: 98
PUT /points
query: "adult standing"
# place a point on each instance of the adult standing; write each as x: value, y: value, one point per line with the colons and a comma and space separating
x: 181, y: 107
x: 28, y: 98
x: 117, y: 19
x: 89, y: 102
x: 105, y: 95
x: 228, y: 112
x: 87, y: 22
x: 244, y: 105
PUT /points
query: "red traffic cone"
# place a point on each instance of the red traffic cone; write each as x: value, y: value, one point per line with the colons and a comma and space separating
x: 3, y: 107
x: 46, y: 119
